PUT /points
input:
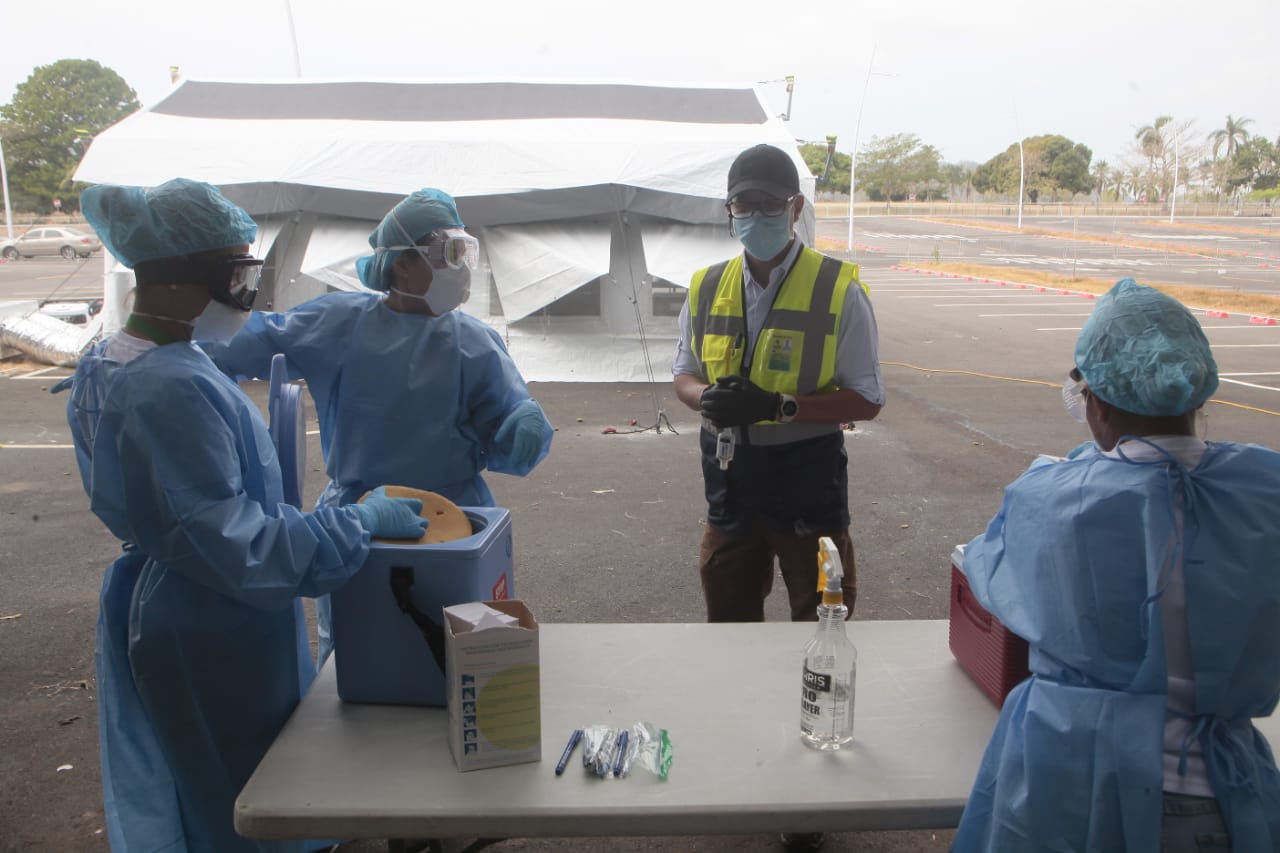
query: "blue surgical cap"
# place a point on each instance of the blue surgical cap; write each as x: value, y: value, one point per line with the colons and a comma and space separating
x: 422, y: 212
x: 179, y: 217
x: 1143, y: 352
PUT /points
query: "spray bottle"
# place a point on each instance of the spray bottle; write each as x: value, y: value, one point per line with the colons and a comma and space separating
x: 830, y: 662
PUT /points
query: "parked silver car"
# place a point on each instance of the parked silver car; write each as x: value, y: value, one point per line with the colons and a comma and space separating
x: 67, y: 242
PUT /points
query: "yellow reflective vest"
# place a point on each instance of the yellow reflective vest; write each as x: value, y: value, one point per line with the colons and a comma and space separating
x: 795, y: 351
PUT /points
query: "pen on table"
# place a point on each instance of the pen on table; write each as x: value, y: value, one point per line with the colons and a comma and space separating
x: 622, y: 753
x: 568, y: 751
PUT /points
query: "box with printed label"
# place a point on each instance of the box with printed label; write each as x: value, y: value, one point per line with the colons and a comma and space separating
x: 495, y: 696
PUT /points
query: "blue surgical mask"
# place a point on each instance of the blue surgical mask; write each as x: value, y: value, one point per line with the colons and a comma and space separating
x: 763, y: 236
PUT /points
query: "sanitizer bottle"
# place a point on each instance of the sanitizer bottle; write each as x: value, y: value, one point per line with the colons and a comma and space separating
x: 830, y: 663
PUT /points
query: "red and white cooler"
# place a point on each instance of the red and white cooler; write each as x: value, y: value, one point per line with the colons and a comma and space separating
x: 990, y: 653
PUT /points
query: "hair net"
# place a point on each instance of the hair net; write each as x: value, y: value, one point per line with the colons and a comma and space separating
x: 1143, y: 352
x: 408, y: 222
x: 179, y: 217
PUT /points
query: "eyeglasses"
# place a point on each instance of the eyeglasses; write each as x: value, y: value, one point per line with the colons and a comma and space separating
x: 446, y: 247
x: 768, y: 206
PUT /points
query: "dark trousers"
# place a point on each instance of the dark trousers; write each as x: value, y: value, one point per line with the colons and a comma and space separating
x: 737, y: 572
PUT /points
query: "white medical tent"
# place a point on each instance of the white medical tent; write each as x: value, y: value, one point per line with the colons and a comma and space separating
x: 593, y: 203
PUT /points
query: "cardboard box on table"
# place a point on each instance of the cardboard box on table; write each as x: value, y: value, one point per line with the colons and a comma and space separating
x: 389, y: 654
x: 495, y: 696
x: 990, y: 653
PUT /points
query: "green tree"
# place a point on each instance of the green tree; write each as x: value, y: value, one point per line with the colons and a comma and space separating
x: 1053, y: 165
x: 815, y: 157
x: 48, y: 124
x: 1100, y: 171
x: 890, y: 168
x: 1151, y: 142
x: 1255, y: 166
x: 1232, y: 136
x: 957, y: 178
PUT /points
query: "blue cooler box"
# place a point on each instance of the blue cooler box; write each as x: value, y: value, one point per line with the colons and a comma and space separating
x: 388, y: 629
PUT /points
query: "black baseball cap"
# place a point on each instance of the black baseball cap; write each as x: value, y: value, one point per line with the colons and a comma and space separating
x: 764, y: 168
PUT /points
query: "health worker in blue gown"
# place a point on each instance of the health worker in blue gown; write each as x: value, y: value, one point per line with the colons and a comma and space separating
x: 201, y: 650
x: 407, y: 389
x: 1144, y: 571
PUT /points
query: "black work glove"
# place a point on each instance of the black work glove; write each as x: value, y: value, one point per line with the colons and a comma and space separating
x: 735, y: 401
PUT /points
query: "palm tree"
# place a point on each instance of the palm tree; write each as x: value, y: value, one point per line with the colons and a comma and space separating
x: 1100, y: 176
x: 1233, y: 135
x: 1151, y: 141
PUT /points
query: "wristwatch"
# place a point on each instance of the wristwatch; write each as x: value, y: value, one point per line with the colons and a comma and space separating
x: 787, y: 408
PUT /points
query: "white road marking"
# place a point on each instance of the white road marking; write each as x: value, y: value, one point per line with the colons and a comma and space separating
x: 987, y: 305
x: 4, y: 446
x: 1250, y: 385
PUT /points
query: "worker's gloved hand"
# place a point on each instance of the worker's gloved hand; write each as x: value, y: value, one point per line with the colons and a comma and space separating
x: 735, y: 401
x: 524, y: 432
x: 391, y: 518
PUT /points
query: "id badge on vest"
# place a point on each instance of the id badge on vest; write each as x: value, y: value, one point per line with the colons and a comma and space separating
x: 781, y: 351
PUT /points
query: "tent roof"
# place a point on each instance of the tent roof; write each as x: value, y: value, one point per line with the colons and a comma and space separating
x: 508, y: 152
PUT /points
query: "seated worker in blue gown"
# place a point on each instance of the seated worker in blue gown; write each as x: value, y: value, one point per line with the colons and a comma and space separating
x: 201, y: 650
x: 1144, y: 571
x: 407, y: 390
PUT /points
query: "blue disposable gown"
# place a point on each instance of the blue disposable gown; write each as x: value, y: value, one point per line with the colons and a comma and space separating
x: 201, y: 649
x: 1072, y: 563
x: 402, y: 399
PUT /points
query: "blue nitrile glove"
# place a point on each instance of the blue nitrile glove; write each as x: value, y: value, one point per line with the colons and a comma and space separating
x: 524, y: 431
x: 391, y: 518
x: 735, y: 401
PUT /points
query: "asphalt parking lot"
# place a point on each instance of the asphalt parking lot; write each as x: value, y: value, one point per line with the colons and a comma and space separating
x: 607, y: 528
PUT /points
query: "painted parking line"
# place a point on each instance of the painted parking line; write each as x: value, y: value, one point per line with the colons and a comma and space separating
x: 44, y: 373
x: 1075, y: 304
x: 1249, y: 384
x: 1004, y: 293
x: 4, y: 446
x: 1047, y: 314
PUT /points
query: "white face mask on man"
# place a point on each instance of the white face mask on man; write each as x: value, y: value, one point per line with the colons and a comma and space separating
x: 218, y: 322
x: 449, y: 288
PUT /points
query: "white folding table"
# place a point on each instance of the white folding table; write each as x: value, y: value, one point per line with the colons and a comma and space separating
x: 729, y: 694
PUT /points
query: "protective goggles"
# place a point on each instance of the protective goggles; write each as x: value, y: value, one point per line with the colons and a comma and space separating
x: 237, y: 286
x: 450, y: 248
x: 1075, y: 394
x: 230, y: 279
x: 764, y: 207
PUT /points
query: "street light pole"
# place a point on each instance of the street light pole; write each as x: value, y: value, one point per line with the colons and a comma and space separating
x: 1173, y: 193
x: 1022, y: 178
x: 853, y: 158
x: 4, y: 180
x: 293, y: 40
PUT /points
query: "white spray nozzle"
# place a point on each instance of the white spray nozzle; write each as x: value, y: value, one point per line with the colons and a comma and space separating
x: 830, y: 569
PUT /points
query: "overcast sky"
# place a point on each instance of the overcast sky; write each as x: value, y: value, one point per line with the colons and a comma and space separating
x: 965, y: 77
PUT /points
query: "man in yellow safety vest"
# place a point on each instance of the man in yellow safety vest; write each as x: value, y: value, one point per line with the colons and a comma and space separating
x: 778, y: 349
